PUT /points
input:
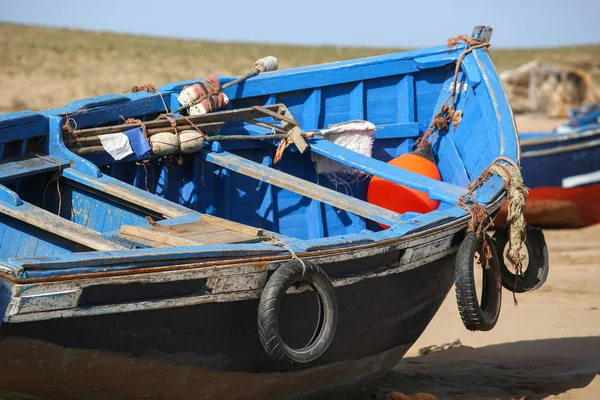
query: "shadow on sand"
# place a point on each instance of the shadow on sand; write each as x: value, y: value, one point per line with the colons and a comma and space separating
x: 520, y: 370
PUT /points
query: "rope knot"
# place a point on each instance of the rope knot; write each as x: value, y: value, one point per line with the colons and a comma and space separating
x: 515, y: 220
x: 144, y: 88
x: 448, y: 114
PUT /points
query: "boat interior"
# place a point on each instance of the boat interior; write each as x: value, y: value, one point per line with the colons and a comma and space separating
x: 56, y: 206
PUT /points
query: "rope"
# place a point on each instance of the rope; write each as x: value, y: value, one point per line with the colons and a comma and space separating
x: 173, y: 122
x: 515, y: 220
x: 56, y: 177
x: 281, y: 148
x: 135, y: 121
x: 278, y: 242
x: 144, y: 88
x: 70, y: 124
x: 447, y: 114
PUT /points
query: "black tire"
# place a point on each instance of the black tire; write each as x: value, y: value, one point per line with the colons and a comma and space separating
x: 475, y: 316
x: 268, y: 312
x: 537, y: 271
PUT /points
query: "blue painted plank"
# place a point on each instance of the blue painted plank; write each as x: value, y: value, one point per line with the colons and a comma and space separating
x: 44, y: 220
x: 110, y: 109
x: 504, y: 122
x: 450, y: 164
x: 436, y: 190
x: 325, y: 74
x: 21, y: 126
x: 469, y: 65
x: 437, y: 60
x: 113, y: 187
x: 19, y: 167
x: 316, y: 226
x: 357, y: 102
x: 396, y: 131
x: 109, y: 258
x: 406, y: 100
x: 27, y: 245
x: 9, y: 196
x: 305, y: 188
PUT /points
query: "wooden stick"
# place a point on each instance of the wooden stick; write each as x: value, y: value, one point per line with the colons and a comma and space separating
x: 221, y: 116
x: 93, y: 148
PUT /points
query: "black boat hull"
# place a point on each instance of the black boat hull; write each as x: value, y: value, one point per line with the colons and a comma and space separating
x: 212, y: 350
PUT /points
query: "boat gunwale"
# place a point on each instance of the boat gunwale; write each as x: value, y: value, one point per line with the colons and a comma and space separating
x: 553, y: 137
x: 455, y: 224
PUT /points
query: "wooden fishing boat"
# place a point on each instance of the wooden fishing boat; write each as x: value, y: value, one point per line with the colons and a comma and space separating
x: 562, y: 171
x: 165, y: 278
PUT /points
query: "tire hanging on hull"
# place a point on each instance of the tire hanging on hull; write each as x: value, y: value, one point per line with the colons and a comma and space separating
x: 269, y: 306
x: 536, y: 272
x: 476, y: 316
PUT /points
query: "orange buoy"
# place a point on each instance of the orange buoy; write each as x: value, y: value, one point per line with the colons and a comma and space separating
x: 401, y: 199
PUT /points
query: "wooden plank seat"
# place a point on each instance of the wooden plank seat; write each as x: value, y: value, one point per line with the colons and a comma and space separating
x: 209, y: 230
x: 59, y: 226
x: 305, y: 188
x: 437, y: 190
x: 27, y: 165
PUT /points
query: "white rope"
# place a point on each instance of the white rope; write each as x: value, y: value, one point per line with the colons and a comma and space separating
x: 278, y: 242
x: 515, y: 219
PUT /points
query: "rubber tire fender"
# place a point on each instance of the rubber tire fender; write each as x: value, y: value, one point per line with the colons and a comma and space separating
x: 475, y: 316
x: 537, y: 271
x: 269, y: 306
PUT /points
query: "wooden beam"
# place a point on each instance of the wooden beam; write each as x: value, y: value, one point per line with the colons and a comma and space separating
x: 126, y: 193
x: 305, y: 188
x: 18, y: 167
x: 231, y: 225
x: 436, y: 190
x: 56, y: 225
x: 157, y: 235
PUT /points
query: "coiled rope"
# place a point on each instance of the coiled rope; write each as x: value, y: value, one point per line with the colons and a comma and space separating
x: 515, y: 221
x: 447, y: 114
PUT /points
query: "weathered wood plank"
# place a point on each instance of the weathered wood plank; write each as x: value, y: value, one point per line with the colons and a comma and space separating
x: 52, y: 223
x: 231, y: 225
x: 128, y: 193
x: 300, y: 186
x: 127, y: 256
x: 18, y: 167
x: 222, y: 237
x: 158, y: 235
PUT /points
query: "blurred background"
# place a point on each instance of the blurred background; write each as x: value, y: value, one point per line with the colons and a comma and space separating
x: 54, y: 52
x: 548, y: 55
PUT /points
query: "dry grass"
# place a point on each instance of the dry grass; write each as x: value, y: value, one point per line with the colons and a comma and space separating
x: 47, y: 67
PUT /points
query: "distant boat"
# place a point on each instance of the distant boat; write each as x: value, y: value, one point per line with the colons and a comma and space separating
x: 164, y: 278
x: 562, y: 170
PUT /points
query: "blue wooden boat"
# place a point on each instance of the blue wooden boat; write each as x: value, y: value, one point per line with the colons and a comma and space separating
x: 579, y: 117
x: 163, y: 279
x: 562, y: 170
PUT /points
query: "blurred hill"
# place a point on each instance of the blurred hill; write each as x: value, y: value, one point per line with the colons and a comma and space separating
x: 49, y: 67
